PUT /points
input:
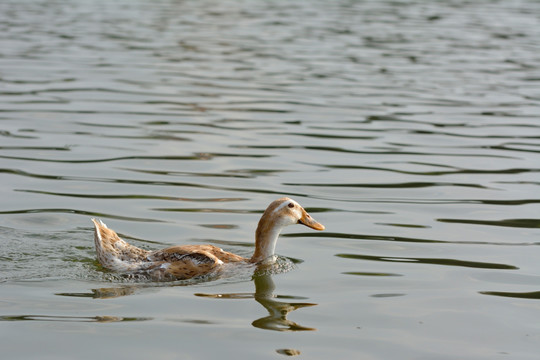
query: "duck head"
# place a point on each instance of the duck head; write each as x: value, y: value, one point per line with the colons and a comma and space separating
x: 280, y: 213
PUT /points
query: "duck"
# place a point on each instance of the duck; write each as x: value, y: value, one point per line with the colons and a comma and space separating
x: 184, y: 262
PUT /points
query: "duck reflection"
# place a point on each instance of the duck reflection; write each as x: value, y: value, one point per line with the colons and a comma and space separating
x: 104, y: 293
x: 277, y: 310
x: 264, y: 295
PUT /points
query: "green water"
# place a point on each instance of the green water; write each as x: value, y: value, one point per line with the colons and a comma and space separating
x: 410, y: 129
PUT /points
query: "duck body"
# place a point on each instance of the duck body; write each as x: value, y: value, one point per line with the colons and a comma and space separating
x: 188, y: 261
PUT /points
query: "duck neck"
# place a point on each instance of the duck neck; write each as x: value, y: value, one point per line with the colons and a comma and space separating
x: 265, y: 241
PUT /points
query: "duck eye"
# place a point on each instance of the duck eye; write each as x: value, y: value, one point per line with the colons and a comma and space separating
x: 291, y: 205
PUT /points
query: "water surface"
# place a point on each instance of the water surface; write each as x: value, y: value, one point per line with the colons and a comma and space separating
x: 409, y: 128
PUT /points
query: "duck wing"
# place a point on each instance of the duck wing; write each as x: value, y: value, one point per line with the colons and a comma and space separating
x: 202, y: 254
x: 185, y: 262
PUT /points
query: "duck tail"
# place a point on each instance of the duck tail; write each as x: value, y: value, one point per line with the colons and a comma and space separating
x: 114, y: 253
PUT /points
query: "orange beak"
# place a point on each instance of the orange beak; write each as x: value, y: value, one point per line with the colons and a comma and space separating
x: 308, y: 221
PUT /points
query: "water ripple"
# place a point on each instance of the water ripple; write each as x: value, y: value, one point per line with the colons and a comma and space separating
x: 78, y: 212
x: 519, y: 223
x: 391, y: 238
x: 63, y: 318
x: 534, y: 295
x: 409, y: 127
x: 431, y: 261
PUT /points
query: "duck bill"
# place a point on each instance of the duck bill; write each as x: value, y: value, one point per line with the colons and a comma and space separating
x: 308, y: 221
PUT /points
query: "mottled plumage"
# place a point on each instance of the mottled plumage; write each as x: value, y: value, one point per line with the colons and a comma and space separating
x: 187, y: 261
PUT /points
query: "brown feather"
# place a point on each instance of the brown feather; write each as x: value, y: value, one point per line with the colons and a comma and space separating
x: 185, y: 262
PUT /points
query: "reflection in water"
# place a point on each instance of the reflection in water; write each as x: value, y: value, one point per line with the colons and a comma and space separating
x: 264, y: 295
x: 130, y: 289
x: 105, y: 293
x: 277, y: 310
x: 412, y: 124
x: 288, y: 352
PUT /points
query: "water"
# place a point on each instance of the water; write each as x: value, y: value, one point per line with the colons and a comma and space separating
x: 409, y: 128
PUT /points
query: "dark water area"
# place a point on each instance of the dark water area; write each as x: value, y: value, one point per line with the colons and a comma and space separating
x: 410, y: 129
